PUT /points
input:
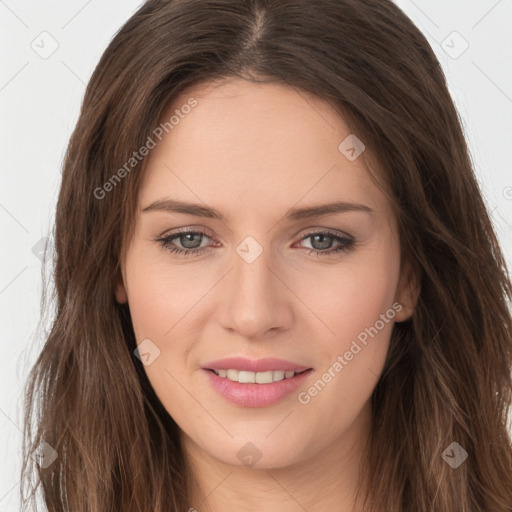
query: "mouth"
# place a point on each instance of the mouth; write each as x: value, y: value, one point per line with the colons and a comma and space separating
x: 256, y: 383
x: 248, y: 377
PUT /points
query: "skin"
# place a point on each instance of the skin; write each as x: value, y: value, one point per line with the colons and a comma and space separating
x: 253, y: 151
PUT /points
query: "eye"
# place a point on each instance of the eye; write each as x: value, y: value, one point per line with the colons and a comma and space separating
x: 321, y: 242
x: 191, y: 242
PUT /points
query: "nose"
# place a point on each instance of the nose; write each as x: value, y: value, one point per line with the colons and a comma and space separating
x: 256, y: 302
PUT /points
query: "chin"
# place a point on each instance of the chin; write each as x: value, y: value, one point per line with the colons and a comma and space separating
x: 260, y: 451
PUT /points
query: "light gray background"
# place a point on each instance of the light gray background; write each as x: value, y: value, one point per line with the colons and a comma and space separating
x: 40, y: 96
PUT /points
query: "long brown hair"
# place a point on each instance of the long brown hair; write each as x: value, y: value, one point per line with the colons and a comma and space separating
x: 448, y: 373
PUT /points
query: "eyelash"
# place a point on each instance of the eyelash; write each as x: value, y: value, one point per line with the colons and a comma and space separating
x: 347, y: 243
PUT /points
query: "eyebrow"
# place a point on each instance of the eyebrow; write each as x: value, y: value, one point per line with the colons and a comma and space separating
x: 171, y: 205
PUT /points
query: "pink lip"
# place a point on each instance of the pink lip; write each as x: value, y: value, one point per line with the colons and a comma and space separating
x: 260, y: 365
x: 256, y: 395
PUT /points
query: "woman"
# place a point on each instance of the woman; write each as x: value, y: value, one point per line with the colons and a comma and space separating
x: 277, y: 282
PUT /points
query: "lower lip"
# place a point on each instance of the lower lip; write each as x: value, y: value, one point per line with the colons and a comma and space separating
x: 256, y: 395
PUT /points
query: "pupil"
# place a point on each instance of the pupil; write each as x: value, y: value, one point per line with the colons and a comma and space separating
x: 187, y: 240
x: 322, y: 237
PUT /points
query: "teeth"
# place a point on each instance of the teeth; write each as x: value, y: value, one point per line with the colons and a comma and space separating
x: 277, y: 375
x: 232, y: 375
x: 264, y: 377
x: 245, y: 377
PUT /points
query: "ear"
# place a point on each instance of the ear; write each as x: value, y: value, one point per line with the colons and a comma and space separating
x: 121, y: 295
x: 407, y: 293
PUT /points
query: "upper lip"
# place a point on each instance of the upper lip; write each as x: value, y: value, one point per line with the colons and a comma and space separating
x: 259, y: 365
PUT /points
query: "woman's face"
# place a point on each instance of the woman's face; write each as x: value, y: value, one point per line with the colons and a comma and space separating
x: 318, y: 291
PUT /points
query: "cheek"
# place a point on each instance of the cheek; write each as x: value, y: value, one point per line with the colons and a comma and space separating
x: 358, y: 308
x: 159, y: 296
x: 356, y: 304
x: 161, y: 307
x: 351, y: 296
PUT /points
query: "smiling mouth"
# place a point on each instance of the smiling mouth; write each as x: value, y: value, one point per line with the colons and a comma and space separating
x: 246, y: 377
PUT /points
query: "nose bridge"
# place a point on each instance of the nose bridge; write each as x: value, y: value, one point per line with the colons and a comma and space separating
x: 254, y: 300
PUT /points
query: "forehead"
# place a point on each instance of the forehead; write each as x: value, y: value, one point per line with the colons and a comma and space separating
x: 256, y: 145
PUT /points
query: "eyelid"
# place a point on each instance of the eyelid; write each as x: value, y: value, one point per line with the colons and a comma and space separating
x: 187, y: 229
x: 333, y: 232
